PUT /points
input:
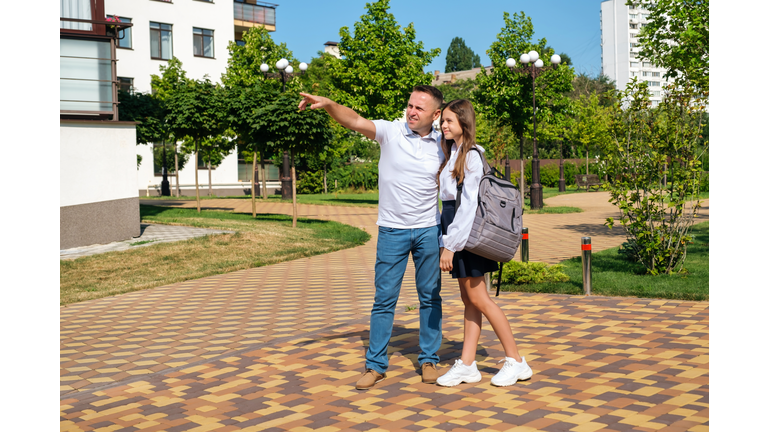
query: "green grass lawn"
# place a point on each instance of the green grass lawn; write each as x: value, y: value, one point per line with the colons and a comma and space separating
x: 267, y: 239
x: 612, y: 275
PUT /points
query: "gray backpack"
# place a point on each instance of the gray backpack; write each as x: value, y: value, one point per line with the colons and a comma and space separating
x: 497, y: 229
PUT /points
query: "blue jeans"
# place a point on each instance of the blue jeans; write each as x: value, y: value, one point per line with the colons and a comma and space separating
x: 392, y: 250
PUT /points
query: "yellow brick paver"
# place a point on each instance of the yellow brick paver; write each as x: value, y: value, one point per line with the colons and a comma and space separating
x: 280, y: 348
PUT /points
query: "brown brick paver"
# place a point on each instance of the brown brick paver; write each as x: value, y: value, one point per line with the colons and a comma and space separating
x: 280, y: 348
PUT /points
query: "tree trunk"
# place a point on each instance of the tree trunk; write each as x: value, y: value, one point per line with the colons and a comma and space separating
x: 263, y: 179
x: 293, y: 189
x: 253, y: 182
x: 210, y: 188
x: 197, y: 184
x: 176, y: 167
x: 522, y: 168
x: 587, y: 161
x: 325, y: 178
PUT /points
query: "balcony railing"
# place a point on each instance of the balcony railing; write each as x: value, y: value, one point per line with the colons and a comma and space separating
x: 255, y: 13
x: 87, y: 70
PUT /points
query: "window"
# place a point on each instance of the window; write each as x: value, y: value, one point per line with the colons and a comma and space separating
x: 202, y: 40
x: 125, y: 84
x: 655, y: 103
x: 634, y: 73
x: 656, y: 74
x: 124, y: 35
x: 634, y: 64
x: 160, y: 41
x: 78, y: 9
x: 632, y: 16
x: 634, y: 45
x: 633, y: 26
x: 633, y: 35
x: 654, y: 83
x: 656, y: 93
x: 645, y: 15
x: 646, y: 73
x: 647, y: 64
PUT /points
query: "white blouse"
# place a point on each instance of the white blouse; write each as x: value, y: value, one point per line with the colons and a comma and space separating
x: 458, y: 232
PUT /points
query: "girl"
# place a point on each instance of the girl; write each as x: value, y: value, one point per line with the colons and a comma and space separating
x: 465, y: 166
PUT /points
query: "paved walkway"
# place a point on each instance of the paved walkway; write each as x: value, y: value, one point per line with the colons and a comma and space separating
x: 280, y: 348
x: 150, y: 234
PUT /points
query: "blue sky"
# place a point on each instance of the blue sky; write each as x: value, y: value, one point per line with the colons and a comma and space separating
x: 570, y: 26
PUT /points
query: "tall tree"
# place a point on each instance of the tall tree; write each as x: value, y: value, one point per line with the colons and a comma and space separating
x: 197, y: 111
x: 244, y: 60
x: 460, y: 57
x: 676, y: 38
x: 379, y: 64
x: 602, y: 85
x: 249, y: 90
x: 172, y: 77
x: 298, y: 133
x: 506, y: 95
x: 590, y: 124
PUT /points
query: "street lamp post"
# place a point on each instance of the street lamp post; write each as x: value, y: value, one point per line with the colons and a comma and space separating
x: 285, y: 71
x: 534, y: 69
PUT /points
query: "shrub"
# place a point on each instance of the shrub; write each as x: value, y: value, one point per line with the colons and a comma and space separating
x: 358, y: 176
x: 519, y: 273
x: 550, y: 174
x: 309, y: 182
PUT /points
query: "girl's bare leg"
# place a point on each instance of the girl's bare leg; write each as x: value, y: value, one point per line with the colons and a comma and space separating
x: 474, y: 293
x: 473, y: 322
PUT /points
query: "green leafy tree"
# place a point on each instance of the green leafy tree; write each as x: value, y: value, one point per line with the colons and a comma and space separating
x: 507, y: 96
x: 602, y: 85
x: 676, y: 37
x: 298, y: 133
x: 380, y: 64
x: 589, y: 125
x: 172, y: 77
x: 565, y: 59
x: 649, y: 142
x: 459, y: 57
x: 198, y: 112
x: 245, y: 60
x: 461, y: 89
x: 248, y: 91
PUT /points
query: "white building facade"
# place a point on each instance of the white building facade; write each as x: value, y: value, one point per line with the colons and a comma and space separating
x: 196, y: 32
x: 98, y: 202
x: 619, y: 26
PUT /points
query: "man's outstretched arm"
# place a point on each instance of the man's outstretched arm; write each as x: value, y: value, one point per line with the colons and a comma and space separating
x: 344, y: 115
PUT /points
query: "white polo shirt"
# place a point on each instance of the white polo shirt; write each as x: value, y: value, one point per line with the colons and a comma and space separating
x: 407, y: 176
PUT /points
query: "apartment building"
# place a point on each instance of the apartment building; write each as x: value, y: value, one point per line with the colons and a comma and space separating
x: 619, y: 26
x: 98, y: 198
x: 196, y: 32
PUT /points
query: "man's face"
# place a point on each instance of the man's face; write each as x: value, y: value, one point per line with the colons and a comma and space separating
x: 421, y: 112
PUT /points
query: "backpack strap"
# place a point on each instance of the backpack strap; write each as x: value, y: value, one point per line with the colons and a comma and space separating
x: 486, y: 169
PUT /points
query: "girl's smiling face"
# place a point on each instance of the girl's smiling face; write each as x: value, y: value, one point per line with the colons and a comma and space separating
x: 449, y: 123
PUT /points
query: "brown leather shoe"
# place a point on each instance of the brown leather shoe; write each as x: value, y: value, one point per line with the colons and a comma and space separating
x: 369, y: 378
x: 429, y: 373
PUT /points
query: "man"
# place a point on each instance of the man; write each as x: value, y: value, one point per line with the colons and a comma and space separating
x: 409, y: 223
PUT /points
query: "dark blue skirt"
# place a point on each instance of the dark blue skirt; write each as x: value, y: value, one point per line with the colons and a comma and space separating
x: 465, y: 264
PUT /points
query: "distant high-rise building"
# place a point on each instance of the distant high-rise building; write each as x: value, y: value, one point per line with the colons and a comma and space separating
x: 619, y: 26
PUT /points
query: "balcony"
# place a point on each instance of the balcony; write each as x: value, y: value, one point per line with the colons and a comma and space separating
x: 87, y: 68
x: 253, y: 13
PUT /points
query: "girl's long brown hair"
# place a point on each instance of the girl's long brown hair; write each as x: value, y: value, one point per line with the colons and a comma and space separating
x: 465, y: 113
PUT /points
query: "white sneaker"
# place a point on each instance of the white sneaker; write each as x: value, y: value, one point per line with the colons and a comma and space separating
x: 511, y: 372
x: 460, y: 373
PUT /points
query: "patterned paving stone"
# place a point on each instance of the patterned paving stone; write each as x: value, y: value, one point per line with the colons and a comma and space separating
x: 280, y: 348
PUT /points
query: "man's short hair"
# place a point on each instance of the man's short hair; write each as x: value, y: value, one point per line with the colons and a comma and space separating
x: 436, y: 94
